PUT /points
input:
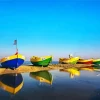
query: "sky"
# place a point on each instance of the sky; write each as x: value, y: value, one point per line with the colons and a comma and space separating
x: 50, y: 27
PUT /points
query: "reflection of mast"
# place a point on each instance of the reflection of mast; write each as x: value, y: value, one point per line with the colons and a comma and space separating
x: 71, y: 75
x: 11, y: 96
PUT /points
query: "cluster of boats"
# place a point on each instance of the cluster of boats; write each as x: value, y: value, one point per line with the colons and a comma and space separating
x: 78, y: 60
x: 16, y: 60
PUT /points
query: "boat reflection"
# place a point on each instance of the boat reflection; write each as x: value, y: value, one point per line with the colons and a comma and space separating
x: 76, y: 71
x: 72, y: 72
x: 42, y: 76
x: 87, y: 68
x: 91, y: 68
x: 11, y: 83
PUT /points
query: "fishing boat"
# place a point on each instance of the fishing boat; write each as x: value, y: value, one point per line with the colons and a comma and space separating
x: 41, y: 61
x: 72, y: 72
x: 11, y: 83
x: 42, y: 76
x: 13, y: 61
x: 63, y: 59
x: 85, y: 61
x: 96, y: 61
x: 71, y: 60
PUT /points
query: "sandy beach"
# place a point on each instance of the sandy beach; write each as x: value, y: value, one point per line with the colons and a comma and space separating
x: 31, y: 68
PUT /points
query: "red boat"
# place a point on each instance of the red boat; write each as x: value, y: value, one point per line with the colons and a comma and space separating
x: 85, y: 61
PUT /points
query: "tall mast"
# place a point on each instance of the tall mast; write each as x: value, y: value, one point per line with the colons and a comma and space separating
x: 16, y: 47
x: 15, y: 43
x: 17, y: 51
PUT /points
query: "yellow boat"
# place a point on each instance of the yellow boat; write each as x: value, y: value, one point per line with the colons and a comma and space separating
x: 71, y: 60
x: 63, y: 59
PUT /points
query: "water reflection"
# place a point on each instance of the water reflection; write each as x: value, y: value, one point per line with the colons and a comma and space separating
x: 42, y: 76
x: 72, y: 72
x: 11, y: 83
x: 76, y: 71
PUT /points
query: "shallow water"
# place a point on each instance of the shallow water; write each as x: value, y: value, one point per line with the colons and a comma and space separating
x: 86, y: 86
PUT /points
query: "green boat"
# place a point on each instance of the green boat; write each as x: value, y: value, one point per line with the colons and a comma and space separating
x: 96, y: 61
x: 41, y: 61
x: 42, y: 76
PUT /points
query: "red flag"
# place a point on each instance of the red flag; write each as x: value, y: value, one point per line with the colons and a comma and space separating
x: 16, y: 52
x: 15, y: 42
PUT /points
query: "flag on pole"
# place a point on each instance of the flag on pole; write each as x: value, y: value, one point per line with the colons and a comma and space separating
x: 15, y: 42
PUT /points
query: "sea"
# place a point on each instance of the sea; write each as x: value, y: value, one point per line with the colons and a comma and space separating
x: 32, y: 86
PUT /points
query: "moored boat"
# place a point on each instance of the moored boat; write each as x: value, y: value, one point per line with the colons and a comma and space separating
x: 63, y: 59
x: 41, y: 61
x: 42, y: 76
x: 85, y: 61
x: 13, y: 61
x: 71, y: 60
x: 96, y: 61
x: 11, y: 83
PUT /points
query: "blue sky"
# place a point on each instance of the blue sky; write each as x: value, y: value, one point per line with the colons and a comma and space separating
x: 50, y: 27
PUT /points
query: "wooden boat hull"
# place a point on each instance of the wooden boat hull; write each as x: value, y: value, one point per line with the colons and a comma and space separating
x: 83, y: 61
x: 62, y: 59
x: 11, y: 83
x: 71, y: 60
x: 97, y: 61
x: 13, y: 61
x: 41, y: 61
x: 42, y: 76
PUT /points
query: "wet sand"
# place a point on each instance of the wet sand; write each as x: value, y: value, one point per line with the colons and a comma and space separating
x: 31, y: 68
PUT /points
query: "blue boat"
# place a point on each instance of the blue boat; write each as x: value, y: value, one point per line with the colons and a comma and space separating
x: 13, y: 61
